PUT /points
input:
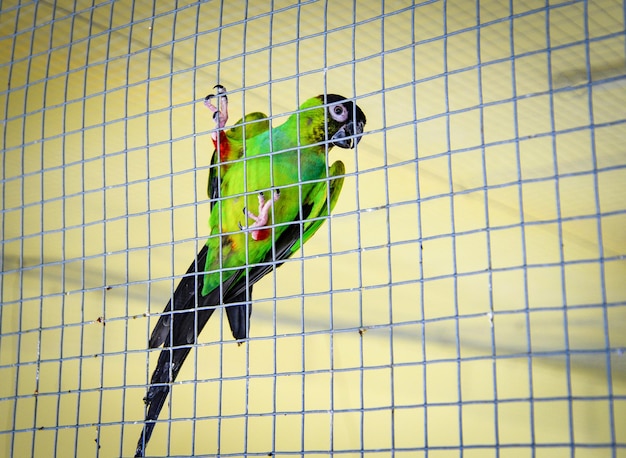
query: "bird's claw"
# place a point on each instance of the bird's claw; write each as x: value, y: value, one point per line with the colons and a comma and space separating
x: 261, y: 219
x: 220, y: 110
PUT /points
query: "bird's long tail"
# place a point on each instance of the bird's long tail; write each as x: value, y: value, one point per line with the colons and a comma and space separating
x: 177, y: 331
x: 158, y: 391
x: 170, y: 361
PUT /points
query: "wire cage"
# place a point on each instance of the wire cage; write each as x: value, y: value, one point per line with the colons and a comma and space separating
x: 467, y: 297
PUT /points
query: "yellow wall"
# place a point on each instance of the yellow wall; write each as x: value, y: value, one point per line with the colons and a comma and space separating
x: 477, y: 269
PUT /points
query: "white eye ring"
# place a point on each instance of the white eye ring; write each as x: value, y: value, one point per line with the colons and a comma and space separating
x: 338, y: 112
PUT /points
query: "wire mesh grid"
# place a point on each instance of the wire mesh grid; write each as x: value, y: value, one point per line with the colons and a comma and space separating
x: 467, y: 297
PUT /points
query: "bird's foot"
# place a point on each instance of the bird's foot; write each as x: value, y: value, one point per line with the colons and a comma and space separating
x: 220, y: 110
x: 261, y: 219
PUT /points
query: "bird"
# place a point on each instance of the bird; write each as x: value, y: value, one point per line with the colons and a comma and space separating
x: 269, y: 191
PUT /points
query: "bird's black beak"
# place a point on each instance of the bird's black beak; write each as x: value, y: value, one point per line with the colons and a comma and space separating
x: 349, y: 135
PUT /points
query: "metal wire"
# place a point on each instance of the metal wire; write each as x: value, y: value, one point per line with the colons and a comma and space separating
x: 466, y: 296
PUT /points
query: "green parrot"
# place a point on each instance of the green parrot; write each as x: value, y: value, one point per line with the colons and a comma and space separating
x: 283, y: 173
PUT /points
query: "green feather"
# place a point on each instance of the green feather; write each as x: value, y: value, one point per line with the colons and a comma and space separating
x: 251, y: 125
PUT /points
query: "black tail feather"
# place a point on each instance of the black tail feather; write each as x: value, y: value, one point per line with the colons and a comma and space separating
x: 187, y: 290
x: 239, y: 315
x: 177, y: 332
x: 167, y: 368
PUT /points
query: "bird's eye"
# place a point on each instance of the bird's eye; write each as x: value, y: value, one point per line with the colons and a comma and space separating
x: 338, y: 113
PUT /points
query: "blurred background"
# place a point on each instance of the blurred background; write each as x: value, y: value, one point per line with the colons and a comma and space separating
x: 467, y: 297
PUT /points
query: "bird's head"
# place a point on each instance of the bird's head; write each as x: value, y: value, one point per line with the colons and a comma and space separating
x: 332, y: 118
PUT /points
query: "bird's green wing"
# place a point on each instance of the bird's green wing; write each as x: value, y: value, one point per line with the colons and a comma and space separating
x: 322, y: 203
x: 230, y: 147
x: 251, y: 125
x: 315, y: 207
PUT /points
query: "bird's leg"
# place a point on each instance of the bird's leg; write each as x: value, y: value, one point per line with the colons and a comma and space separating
x: 261, y: 219
x: 220, y: 112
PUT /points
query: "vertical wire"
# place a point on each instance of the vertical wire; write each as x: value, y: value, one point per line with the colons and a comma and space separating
x: 42, y: 236
x: 455, y: 289
x: 330, y: 219
x: 104, y: 260
x: 358, y: 213
x: 359, y: 245
x: 147, y: 206
x: 197, y: 268
x: 331, y: 314
x: 194, y: 407
x: 559, y: 218
x: 301, y: 235
x: 522, y: 225
x: 274, y: 284
x: 272, y: 233
x: 272, y: 230
x: 20, y: 282
x: 303, y: 376
x: 63, y: 264
x: 18, y: 362
x: 149, y: 281
x: 389, y: 246
x: 64, y: 244
x: 148, y: 132
x: 492, y: 336
x: 3, y: 225
x: 420, y: 237
x: 193, y: 352
x: 127, y: 296
x: 218, y: 206
x: 601, y: 255
x: 218, y: 166
x: 302, y: 296
x: 194, y: 153
x: 197, y: 271
x: 84, y: 144
x: 248, y: 298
